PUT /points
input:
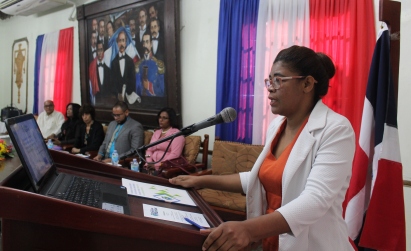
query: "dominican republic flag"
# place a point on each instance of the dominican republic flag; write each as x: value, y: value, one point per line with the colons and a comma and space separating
x: 375, y: 199
x: 53, y: 73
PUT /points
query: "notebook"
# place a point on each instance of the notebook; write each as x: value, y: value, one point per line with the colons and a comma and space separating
x: 38, y: 163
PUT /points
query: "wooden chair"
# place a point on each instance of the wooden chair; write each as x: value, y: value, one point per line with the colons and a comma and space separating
x: 193, y: 146
x: 228, y: 158
x: 105, y: 128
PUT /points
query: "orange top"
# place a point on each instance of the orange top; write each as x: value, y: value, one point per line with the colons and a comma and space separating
x: 270, y: 175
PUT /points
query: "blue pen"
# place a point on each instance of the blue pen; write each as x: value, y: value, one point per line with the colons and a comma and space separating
x: 193, y: 223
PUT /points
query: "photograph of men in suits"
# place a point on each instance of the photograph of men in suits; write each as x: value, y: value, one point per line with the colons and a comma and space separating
x: 157, y: 39
x: 109, y: 29
x: 153, y: 14
x: 94, y: 26
x: 150, y: 72
x: 142, y: 29
x: 126, y: 57
x: 92, y: 53
x: 123, y: 74
x: 100, y: 82
x: 132, y: 26
x: 102, y: 34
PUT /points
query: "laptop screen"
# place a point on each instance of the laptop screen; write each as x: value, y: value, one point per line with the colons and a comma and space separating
x: 29, y: 144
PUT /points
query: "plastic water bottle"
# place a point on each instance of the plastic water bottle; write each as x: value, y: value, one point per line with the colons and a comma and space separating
x: 50, y: 144
x: 135, y: 166
x: 114, y: 158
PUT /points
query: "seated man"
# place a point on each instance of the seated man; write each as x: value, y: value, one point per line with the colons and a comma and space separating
x: 124, y: 134
x: 50, y: 121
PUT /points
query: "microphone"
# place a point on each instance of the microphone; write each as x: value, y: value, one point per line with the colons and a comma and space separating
x: 227, y: 115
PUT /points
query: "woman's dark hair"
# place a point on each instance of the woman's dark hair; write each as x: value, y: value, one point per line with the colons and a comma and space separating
x: 307, y: 62
x: 172, y: 116
x: 75, y: 107
x: 88, y: 109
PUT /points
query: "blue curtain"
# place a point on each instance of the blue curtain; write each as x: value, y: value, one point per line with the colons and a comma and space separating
x: 235, y: 66
x: 39, y: 45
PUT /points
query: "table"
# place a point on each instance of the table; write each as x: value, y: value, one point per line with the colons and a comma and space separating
x: 51, y: 224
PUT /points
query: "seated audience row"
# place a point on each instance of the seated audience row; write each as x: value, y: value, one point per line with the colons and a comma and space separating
x: 68, y: 129
x: 90, y: 134
x: 124, y: 134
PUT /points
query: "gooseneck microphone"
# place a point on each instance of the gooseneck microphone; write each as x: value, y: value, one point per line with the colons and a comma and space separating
x: 227, y: 115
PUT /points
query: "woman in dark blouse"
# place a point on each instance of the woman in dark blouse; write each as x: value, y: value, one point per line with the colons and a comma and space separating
x: 70, y: 126
x: 91, y: 134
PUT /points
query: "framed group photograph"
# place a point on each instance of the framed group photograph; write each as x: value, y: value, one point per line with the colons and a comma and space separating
x: 19, y: 80
x: 128, y: 52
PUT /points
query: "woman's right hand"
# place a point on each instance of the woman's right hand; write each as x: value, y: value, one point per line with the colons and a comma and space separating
x: 56, y: 141
x: 75, y: 150
x: 185, y: 181
x: 98, y: 157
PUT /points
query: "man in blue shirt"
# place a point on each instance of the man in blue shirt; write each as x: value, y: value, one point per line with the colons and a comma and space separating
x: 124, y: 134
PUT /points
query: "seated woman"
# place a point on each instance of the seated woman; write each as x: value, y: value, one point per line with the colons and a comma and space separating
x: 167, y: 120
x: 69, y: 127
x: 91, y: 133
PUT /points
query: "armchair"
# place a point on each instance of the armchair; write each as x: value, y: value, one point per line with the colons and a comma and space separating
x: 193, y: 146
x: 228, y: 158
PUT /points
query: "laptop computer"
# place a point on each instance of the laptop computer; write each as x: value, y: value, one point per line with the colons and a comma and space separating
x: 38, y: 163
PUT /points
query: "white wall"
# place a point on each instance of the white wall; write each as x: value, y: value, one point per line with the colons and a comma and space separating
x: 404, y: 120
x: 199, y: 27
x: 30, y: 27
x: 404, y: 90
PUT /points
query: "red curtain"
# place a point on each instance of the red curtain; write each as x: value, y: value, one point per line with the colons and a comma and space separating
x: 344, y: 30
x: 63, y: 85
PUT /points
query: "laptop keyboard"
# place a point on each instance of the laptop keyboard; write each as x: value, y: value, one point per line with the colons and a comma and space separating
x: 83, y: 191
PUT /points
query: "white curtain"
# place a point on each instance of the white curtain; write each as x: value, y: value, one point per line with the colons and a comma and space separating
x: 48, y: 63
x: 281, y: 23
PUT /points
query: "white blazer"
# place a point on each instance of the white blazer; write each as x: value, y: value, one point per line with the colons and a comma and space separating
x: 315, y: 179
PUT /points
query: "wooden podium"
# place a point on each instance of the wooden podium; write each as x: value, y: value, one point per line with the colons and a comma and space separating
x: 35, y: 222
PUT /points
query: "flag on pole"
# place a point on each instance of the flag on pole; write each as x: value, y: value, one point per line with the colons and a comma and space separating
x: 376, y: 188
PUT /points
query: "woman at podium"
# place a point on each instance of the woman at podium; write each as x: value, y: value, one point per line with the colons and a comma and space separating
x: 296, y: 188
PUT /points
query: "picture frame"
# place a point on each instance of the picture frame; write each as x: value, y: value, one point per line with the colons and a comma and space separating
x: 156, y: 73
x: 19, y: 73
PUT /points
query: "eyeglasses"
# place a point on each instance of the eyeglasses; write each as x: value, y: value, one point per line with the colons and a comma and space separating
x: 163, y: 118
x: 117, y: 115
x: 46, y: 106
x: 276, y: 82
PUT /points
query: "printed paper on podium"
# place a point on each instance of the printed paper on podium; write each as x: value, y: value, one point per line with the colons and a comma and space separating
x: 157, y: 192
x: 173, y: 215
